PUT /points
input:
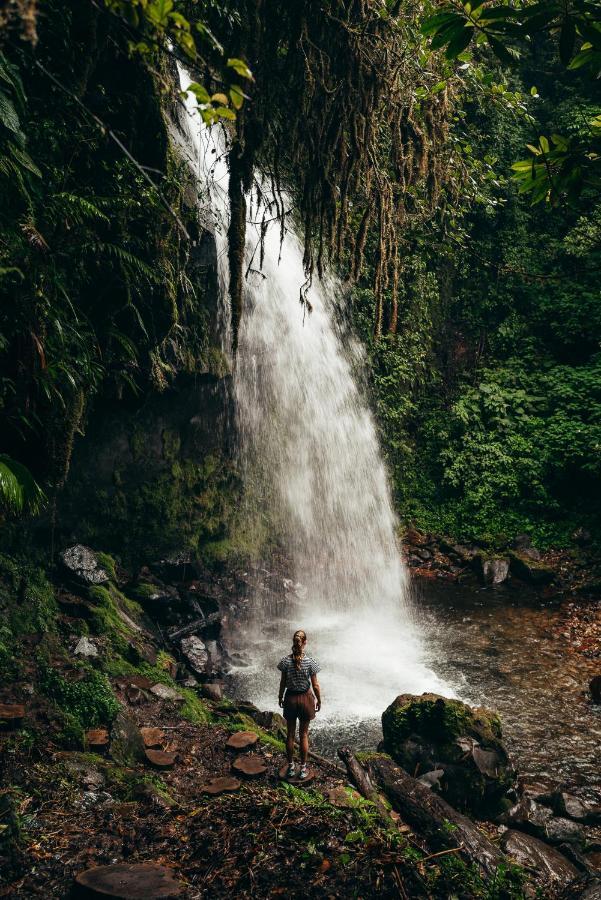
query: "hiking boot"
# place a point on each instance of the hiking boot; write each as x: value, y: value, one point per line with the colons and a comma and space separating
x: 291, y: 772
x: 303, y: 772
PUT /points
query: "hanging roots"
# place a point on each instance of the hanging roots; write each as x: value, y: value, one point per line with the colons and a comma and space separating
x: 334, y: 116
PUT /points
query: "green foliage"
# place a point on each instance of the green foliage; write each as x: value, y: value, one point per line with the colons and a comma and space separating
x: 27, y: 606
x: 562, y: 166
x: 86, y: 702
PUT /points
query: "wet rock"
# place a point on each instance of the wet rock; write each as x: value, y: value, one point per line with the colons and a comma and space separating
x: 212, y: 691
x: 178, y: 566
x: 550, y: 867
x: 570, y: 806
x: 195, y: 652
x: 85, y: 647
x: 125, y: 880
x: 85, y: 773
x: 530, y: 570
x: 433, y: 779
x: 536, y: 819
x: 423, y: 554
x: 494, y: 569
x: 127, y: 745
x: 464, y: 554
x: 270, y: 721
x: 166, y: 692
x: 595, y: 688
x: 563, y: 831
x: 588, y: 887
x: 428, y: 733
x: 82, y: 564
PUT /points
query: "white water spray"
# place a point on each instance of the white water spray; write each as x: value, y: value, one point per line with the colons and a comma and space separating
x: 314, y: 468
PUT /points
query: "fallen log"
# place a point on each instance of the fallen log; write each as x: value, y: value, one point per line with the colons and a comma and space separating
x: 364, y: 785
x: 432, y: 817
x: 197, y: 625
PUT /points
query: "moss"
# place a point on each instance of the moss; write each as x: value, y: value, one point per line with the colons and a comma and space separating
x: 193, y: 709
x: 108, y: 564
x: 27, y: 606
x: 428, y: 716
x: 84, y: 703
x: 107, y: 620
x: 245, y: 723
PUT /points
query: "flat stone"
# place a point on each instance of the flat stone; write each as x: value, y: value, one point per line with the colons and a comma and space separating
x: 550, y: 866
x: 11, y: 714
x: 82, y: 563
x: 153, y: 738
x: 166, y: 692
x: 223, y: 785
x: 160, y: 759
x: 250, y: 765
x: 559, y: 831
x: 310, y: 776
x: 97, y: 739
x: 125, y: 881
x: 241, y: 740
x: 86, y: 647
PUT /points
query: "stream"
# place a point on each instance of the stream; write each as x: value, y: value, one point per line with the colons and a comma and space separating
x: 503, y: 648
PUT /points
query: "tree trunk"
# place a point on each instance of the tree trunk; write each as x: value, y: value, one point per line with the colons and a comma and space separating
x: 432, y: 817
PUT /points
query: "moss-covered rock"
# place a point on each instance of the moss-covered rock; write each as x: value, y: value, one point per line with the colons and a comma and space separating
x: 429, y: 732
x: 531, y: 570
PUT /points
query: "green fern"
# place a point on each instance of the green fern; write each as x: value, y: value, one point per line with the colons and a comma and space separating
x: 19, y: 491
x: 132, y: 264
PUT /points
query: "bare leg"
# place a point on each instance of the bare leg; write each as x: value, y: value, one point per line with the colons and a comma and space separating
x: 290, y: 740
x: 303, y: 728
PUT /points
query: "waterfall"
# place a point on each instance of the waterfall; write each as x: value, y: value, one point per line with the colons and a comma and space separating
x: 314, y: 470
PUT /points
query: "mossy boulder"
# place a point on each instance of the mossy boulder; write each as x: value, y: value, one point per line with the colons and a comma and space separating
x: 529, y: 569
x: 429, y: 732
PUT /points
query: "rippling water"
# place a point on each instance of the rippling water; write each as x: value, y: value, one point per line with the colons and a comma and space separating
x: 504, y: 649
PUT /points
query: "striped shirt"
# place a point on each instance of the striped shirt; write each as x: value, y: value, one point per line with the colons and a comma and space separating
x: 298, y: 680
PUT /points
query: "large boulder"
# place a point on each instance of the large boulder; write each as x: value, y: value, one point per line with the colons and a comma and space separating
x: 532, y: 570
x: 428, y: 733
x: 83, y: 565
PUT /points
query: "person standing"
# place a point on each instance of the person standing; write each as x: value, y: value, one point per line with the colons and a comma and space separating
x: 300, y: 698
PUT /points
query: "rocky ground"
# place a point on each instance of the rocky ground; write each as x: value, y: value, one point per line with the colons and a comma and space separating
x: 114, y: 725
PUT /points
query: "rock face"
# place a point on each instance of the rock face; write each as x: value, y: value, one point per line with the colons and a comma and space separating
x: 82, y: 564
x: 428, y: 733
x: 550, y: 866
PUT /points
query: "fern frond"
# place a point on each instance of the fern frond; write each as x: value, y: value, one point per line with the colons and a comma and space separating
x: 133, y: 264
x: 79, y: 208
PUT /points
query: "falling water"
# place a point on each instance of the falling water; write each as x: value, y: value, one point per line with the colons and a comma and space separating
x: 314, y: 471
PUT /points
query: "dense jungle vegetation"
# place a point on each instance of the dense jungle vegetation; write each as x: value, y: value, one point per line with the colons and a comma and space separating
x: 476, y: 293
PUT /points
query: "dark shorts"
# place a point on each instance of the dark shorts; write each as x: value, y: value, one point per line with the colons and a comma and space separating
x: 299, y: 706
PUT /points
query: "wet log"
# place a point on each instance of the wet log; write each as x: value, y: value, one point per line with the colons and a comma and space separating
x: 431, y: 816
x: 193, y: 627
x: 242, y: 740
x: 363, y: 783
x: 141, y: 881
